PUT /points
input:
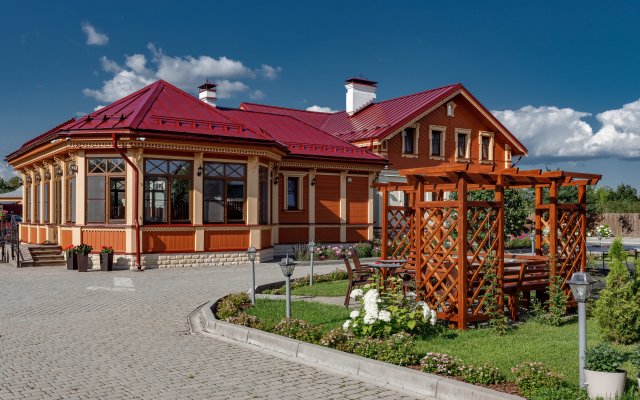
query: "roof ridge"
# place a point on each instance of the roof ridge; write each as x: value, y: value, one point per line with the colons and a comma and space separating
x: 287, y: 108
x: 458, y: 85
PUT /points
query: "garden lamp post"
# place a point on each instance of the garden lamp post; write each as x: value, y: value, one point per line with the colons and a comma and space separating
x: 251, y: 254
x: 312, y: 250
x: 599, y: 235
x: 532, y: 236
x: 288, y: 265
x: 581, y: 283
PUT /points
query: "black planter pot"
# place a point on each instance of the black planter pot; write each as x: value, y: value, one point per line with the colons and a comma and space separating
x: 72, y: 261
x: 106, y: 261
x: 83, y: 262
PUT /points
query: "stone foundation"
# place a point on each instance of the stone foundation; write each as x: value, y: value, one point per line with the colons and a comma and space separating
x: 182, y: 260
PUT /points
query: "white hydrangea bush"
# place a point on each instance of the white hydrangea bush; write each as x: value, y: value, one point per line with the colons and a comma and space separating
x: 384, y: 311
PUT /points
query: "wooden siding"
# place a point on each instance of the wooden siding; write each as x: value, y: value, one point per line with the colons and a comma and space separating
x: 33, y: 234
x: 357, y: 234
x: 66, y: 237
x: 466, y: 117
x: 327, y: 199
x: 328, y: 235
x: 289, y: 217
x: 226, y: 240
x: 165, y: 242
x: 265, y: 238
x: 24, y: 233
x: 43, y: 234
x: 293, y: 235
x: 99, y: 238
x: 358, y: 200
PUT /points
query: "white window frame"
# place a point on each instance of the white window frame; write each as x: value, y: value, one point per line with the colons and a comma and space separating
x: 467, y: 150
x: 490, y: 135
x: 508, y: 156
x: 451, y: 109
x: 300, y: 176
x: 443, y: 136
x: 416, y: 135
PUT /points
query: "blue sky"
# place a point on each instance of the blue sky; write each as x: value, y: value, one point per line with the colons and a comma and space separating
x: 563, y: 76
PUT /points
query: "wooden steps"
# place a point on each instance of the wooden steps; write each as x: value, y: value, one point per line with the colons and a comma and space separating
x: 46, y: 255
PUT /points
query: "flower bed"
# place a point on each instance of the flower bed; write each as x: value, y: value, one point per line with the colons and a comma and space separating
x: 325, y: 252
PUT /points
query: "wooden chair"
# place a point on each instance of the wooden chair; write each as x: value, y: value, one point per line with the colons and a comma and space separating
x: 358, y: 267
x: 512, y: 286
x: 355, y: 279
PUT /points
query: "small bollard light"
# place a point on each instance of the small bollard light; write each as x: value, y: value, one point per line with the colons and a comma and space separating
x: 581, y: 284
x: 251, y: 254
x: 312, y: 250
x: 287, y: 265
x: 532, y: 237
x: 599, y: 235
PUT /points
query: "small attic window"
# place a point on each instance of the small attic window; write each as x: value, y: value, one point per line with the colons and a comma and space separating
x: 451, y: 109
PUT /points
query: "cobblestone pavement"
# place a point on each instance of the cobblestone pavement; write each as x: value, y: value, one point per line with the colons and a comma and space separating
x: 124, y: 335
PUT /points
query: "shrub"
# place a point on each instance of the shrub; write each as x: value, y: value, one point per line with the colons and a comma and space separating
x: 553, y: 311
x: 232, y: 305
x: 245, y: 320
x: 531, y: 376
x: 481, y: 375
x: 338, y: 339
x: 618, y: 307
x: 616, y: 251
x: 384, y: 311
x: 441, y: 364
x: 297, y: 329
x: 363, y: 249
x: 603, y: 358
x: 635, y: 359
x: 396, y: 349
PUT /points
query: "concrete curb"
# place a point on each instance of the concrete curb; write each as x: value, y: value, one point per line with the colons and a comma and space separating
x: 425, y: 384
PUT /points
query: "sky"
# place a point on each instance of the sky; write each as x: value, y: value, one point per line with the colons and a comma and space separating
x: 564, y: 77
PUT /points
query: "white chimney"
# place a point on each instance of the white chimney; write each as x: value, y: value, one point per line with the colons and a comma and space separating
x: 360, y: 93
x: 208, y: 93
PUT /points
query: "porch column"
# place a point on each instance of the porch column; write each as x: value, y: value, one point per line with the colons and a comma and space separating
x: 312, y: 205
x: 538, y: 221
x: 253, y: 193
x: 32, y: 202
x: 343, y: 206
x: 499, y: 198
x: 198, y: 186
x: 553, y: 227
x: 52, y: 205
x: 135, y: 155
x: 275, y: 210
x: 81, y: 181
x: 63, y: 195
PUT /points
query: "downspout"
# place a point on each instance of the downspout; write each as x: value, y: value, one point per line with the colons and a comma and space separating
x: 136, y: 184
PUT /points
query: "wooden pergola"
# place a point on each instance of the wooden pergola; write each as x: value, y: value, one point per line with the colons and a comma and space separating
x: 450, y: 244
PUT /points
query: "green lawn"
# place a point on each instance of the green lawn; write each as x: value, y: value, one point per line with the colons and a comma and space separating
x: 333, y: 289
x: 324, y: 315
x: 557, y: 347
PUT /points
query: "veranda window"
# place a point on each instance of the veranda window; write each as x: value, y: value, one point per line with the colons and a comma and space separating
x: 45, y: 201
x: 263, y: 182
x: 167, y: 191
x: 224, y: 193
x: 71, y: 194
x: 105, y: 190
x: 27, y: 204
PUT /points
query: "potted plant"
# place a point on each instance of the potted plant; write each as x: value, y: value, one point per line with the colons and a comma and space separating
x: 602, y: 372
x: 82, y: 253
x: 106, y: 258
x: 72, y: 260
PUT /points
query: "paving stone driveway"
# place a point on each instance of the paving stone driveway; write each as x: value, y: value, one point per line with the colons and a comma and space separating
x: 124, y: 335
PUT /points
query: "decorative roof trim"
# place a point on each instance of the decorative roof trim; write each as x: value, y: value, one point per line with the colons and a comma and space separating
x: 339, y: 166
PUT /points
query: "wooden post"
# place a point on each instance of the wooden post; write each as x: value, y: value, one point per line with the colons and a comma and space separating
x: 463, y: 284
x: 553, y: 228
x: 499, y: 198
x: 417, y: 237
x: 582, y: 201
x: 538, y: 222
x: 385, y: 223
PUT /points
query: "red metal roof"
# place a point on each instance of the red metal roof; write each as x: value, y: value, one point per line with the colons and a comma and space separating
x: 381, y: 119
x: 300, y: 138
x: 313, y: 118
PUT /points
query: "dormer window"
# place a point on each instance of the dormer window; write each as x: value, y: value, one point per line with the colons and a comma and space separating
x: 436, y: 142
x: 410, y: 141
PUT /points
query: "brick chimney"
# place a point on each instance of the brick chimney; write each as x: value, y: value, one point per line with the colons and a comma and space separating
x: 207, y: 93
x: 360, y: 93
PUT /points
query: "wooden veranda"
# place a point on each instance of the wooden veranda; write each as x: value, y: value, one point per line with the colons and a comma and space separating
x: 451, y: 244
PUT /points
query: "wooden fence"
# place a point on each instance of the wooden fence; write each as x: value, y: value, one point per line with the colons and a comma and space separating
x: 622, y: 224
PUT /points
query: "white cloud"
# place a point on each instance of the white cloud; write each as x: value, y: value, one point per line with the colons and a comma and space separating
x: 320, y: 109
x: 6, y: 172
x: 186, y: 72
x: 561, y: 133
x: 270, y: 72
x: 98, y: 107
x: 94, y: 38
